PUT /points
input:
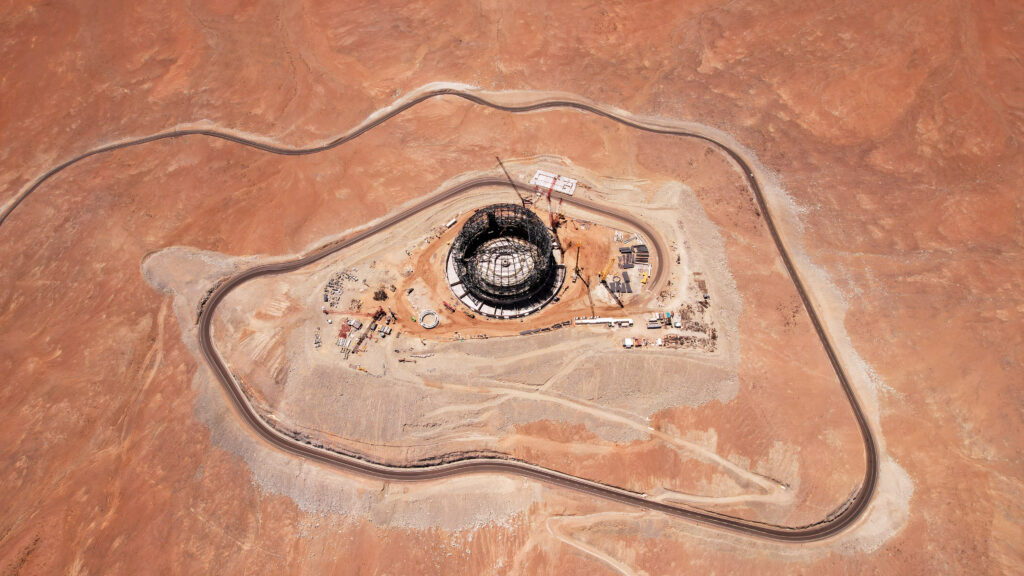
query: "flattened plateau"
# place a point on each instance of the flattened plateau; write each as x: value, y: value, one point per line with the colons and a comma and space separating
x: 895, y: 128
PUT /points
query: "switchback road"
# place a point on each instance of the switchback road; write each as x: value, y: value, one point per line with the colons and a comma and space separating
x: 825, y: 528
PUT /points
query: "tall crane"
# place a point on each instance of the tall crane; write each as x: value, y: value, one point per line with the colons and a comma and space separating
x: 577, y: 275
x: 607, y: 269
x: 551, y: 213
x: 555, y: 218
x: 511, y: 182
x: 576, y: 268
x: 590, y: 298
x: 602, y: 279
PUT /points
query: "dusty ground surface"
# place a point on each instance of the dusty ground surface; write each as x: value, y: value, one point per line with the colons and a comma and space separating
x: 893, y: 130
x: 573, y: 400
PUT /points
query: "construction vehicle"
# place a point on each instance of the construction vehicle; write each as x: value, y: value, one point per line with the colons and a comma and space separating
x: 368, y: 333
x: 615, y: 296
x: 602, y: 278
x: 644, y: 279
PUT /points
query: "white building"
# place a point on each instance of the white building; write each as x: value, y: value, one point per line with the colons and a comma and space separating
x: 547, y: 181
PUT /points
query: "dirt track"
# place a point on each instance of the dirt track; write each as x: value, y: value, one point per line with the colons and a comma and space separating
x: 816, y: 531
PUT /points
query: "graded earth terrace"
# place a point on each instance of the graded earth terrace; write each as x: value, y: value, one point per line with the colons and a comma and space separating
x: 658, y: 397
x: 371, y: 352
x: 235, y: 337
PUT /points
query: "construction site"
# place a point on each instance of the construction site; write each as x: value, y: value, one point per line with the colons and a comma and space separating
x: 624, y: 324
x: 512, y: 270
x: 742, y: 295
x: 485, y: 310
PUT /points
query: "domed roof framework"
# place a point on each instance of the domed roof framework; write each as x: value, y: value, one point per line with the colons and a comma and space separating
x: 504, y: 257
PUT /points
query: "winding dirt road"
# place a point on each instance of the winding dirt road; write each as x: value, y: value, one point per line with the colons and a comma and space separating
x: 818, y: 531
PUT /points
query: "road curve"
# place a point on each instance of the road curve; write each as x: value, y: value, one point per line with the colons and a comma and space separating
x: 818, y: 531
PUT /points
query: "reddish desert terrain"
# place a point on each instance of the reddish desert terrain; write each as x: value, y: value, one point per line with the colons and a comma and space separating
x: 888, y: 138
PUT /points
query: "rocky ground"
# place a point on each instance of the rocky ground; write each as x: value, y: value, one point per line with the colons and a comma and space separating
x: 889, y: 133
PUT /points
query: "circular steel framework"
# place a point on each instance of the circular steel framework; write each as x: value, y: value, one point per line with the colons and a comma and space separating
x: 504, y: 257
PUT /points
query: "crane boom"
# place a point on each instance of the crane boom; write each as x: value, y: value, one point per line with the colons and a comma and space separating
x: 511, y: 182
x: 601, y: 279
x: 590, y: 297
x: 576, y: 269
x: 607, y: 269
x: 612, y: 292
x: 576, y: 274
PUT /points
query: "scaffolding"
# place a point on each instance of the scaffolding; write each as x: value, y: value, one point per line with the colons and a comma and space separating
x: 504, y: 256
